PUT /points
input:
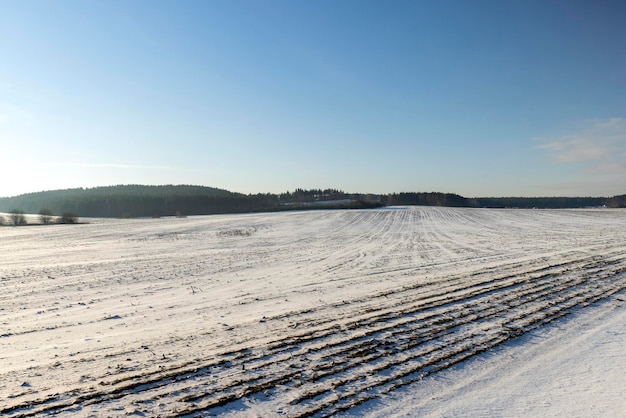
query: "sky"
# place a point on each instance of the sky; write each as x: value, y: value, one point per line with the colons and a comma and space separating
x: 480, y: 98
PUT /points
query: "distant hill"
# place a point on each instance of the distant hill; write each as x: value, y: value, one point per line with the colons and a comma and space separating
x: 130, y: 201
x: 124, y: 200
x: 154, y: 201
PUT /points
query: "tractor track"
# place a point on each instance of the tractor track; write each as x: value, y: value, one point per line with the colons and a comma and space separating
x: 321, y: 365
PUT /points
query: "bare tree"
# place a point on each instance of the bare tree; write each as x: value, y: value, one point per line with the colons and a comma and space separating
x: 17, y: 217
x: 68, y: 218
x: 46, y: 216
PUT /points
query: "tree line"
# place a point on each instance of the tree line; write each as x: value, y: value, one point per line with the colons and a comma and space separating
x: 129, y: 201
x: 17, y: 217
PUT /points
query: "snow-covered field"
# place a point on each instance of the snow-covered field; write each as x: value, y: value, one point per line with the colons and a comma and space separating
x: 392, y: 312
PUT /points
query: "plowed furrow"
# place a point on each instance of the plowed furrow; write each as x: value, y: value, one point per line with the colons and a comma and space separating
x: 398, y: 374
x: 453, y: 347
x: 382, y: 344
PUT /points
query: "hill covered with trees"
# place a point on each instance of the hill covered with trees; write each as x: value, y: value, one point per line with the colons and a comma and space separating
x: 155, y: 201
x: 127, y: 201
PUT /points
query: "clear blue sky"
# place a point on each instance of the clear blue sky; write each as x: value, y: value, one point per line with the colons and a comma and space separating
x: 480, y: 98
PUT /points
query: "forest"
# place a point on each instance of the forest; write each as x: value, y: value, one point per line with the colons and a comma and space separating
x: 130, y: 201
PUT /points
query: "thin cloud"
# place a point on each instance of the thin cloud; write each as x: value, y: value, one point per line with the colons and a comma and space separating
x: 112, y: 165
x: 600, y: 145
x: 126, y: 166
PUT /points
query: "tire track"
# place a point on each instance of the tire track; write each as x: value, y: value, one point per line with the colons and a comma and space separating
x: 334, y: 365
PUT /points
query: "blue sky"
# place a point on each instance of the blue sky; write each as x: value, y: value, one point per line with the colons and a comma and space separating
x: 480, y: 98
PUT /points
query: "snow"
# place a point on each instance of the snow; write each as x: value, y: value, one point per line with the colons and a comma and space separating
x: 574, y: 370
x: 392, y: 312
